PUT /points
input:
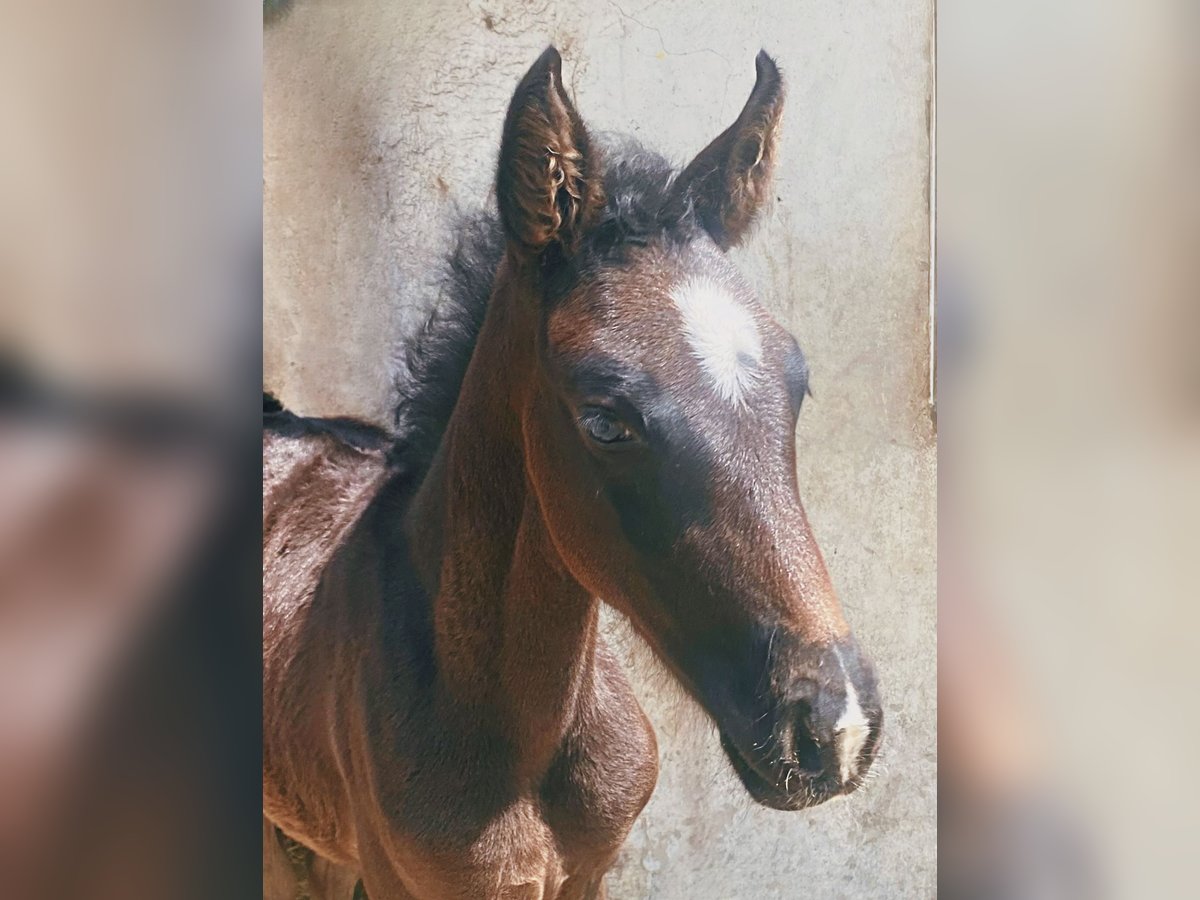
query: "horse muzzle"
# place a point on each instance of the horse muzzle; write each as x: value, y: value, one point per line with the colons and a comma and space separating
x: 815, y: 742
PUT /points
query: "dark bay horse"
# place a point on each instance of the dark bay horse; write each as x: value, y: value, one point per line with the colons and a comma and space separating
x: 602, y: 409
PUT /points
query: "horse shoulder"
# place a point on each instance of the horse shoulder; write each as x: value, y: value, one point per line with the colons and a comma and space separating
x: 316, y: 491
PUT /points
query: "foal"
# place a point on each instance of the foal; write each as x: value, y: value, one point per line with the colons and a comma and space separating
x: 440, y: 712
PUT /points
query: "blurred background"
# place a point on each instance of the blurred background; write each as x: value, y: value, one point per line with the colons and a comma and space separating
x: 1067, y: 402
x: 1068, y: 396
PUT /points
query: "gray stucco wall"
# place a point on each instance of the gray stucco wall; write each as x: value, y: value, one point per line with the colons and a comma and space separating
x: 381, y: 117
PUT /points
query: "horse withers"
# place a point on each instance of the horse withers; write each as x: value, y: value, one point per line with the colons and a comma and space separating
x: 602, y: 409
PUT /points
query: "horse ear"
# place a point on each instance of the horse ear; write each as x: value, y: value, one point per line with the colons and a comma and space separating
x: 548, y: 184
x: 728, y: 181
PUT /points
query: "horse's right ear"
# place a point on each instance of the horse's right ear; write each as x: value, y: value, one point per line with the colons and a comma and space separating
x: 548, y: 184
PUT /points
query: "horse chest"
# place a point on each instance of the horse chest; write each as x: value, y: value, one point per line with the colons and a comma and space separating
x: 554, y: 838
x: 603, y: 776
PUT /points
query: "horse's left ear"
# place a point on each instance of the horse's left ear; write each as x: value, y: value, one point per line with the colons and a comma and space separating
x: 548, y: 183
x: 728, y: 182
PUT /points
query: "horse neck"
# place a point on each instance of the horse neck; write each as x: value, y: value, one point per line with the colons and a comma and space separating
x: 514, y: 632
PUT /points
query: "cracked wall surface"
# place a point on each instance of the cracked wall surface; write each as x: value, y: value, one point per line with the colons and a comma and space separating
x: 382, y: 118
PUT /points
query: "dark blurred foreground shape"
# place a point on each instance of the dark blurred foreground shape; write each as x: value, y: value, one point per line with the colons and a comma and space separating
x: 128, y: 648
x: 130, y: 299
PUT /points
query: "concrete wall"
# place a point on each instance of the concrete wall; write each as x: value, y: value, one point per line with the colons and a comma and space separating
x: 381, y: 117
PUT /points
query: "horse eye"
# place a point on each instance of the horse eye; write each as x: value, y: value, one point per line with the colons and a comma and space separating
x: 604, y: 427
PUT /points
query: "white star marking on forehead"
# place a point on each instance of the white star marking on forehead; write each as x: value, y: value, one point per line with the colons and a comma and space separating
x: 723, y: 335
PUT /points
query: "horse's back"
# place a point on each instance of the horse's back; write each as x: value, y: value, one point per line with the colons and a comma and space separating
x: 318, y: 480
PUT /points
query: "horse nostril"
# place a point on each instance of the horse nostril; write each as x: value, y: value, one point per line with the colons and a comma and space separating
x: 799, y: 742
x: 831, y: 736
x: 829, y: 721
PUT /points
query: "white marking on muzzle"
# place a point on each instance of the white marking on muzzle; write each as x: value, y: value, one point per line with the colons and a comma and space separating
x: 723, y: 335
x: 850, y: 732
